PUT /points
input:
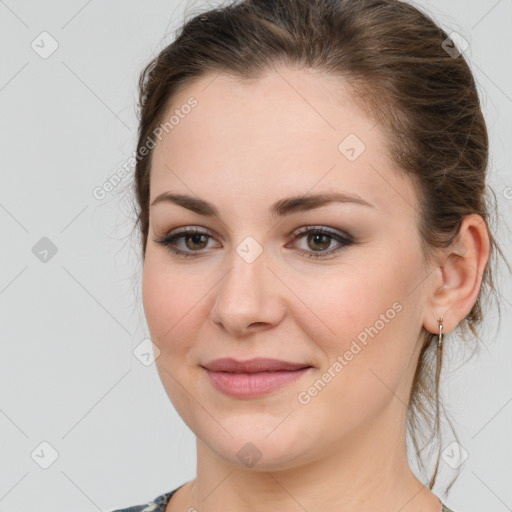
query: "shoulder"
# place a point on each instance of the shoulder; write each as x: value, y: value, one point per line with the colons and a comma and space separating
x: 159, y: 504
x: 136, y: 508
x: 147, y: 507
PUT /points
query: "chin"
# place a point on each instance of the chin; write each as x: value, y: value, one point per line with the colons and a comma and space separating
x: 259, y: 458
x: 256, y: 450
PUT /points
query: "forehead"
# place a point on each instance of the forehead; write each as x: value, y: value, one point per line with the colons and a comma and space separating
x: 293, y: 103
x: 293, y: 129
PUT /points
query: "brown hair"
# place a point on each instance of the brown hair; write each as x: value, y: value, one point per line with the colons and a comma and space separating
x: 392, y: 57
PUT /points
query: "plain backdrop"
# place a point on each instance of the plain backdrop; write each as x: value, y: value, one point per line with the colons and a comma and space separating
x: 84, y: 424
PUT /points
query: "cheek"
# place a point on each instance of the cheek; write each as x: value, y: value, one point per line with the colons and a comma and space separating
x: 157, y: 301
x: 164, y: 298
x: 342, y: 303
x: 174, y: 304
x: 365, y: 314
x: 365, y: 359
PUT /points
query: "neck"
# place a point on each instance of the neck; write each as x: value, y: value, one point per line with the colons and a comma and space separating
x: 356, y: 475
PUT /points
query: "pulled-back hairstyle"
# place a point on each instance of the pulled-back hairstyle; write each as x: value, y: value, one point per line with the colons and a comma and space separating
x: 393, y: 59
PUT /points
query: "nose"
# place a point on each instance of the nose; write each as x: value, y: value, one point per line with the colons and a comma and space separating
x: 248, y: 298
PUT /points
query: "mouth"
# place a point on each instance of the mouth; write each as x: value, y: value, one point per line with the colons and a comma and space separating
x: 253, y: 378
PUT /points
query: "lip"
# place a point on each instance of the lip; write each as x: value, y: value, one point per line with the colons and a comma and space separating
x: 252, y: 378
x: 258, y: 364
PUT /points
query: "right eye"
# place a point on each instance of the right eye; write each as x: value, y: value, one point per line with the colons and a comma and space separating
x: 194, y: 239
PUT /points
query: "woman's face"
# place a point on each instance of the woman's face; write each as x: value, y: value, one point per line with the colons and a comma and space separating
x: 348, y: 300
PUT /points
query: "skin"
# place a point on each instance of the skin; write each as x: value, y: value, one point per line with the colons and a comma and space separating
x: 243, y: 147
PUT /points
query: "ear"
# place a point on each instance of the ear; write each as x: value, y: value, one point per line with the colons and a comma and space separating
x: 458, y: 276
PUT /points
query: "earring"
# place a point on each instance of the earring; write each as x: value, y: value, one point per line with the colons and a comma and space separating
x: 440, y: 335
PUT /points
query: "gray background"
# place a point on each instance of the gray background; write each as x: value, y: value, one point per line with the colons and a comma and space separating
x: 69, y: 325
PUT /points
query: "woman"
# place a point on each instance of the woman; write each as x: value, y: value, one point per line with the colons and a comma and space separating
x: 311, y: 199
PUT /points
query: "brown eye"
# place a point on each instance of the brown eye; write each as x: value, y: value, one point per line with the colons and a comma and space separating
x: 318, y: 241
x: 189, y: 242
x: 197, y: 241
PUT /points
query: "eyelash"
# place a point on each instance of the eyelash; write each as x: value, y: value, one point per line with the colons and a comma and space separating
x: 344, y: 240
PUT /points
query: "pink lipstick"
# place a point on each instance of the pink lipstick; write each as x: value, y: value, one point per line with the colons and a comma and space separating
x: 254, y: 377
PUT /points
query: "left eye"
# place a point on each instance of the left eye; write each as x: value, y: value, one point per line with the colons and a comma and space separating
x: 318, y: 240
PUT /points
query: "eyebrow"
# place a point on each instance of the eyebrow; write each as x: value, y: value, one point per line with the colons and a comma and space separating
x: 282, y: 207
